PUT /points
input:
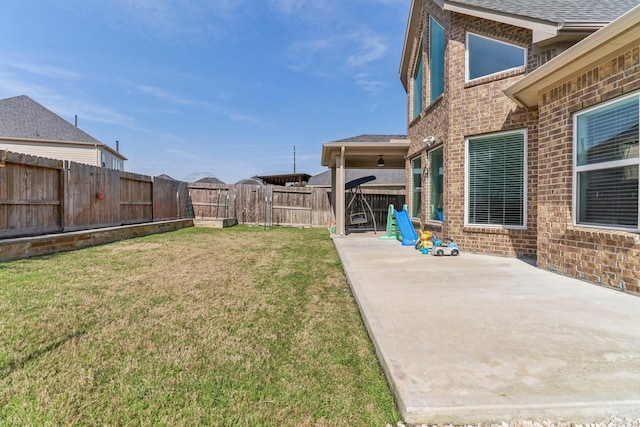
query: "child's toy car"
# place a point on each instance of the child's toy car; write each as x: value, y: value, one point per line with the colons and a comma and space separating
x: 450, y: 249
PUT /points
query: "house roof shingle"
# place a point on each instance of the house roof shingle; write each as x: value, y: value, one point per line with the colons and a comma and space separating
x: 22, y: 117
x: 210, y: 180
x: 556, y: 11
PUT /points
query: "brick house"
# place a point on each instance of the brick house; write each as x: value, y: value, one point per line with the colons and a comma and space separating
x: 476, y: 169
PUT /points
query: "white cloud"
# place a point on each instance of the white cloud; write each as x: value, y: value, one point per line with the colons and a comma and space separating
x: 364, y: 81
x: 369, y: 47
x: 172, y: 98
x: 24, y: 65
x: 308, y: 9
x: 165, y: 95
x: 169, y: 20
x: 340, y: 53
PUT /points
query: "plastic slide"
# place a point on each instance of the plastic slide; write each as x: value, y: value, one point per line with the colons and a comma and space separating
x: 409, y: 235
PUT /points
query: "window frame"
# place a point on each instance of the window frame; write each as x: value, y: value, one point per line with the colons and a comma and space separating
x: 599, y: 166
x: 467, y: 65
x: 432, y: 70
x: 416, y: 209
x: 433, y: 173
x: 525, y: 172
x: 418, y: 89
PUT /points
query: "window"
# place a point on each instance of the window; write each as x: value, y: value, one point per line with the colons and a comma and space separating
x: 496, y: 180
x: 486, y: 56
x: 416, y: 173
x: 417, y: 86
x: 436, y: 175
x: 104, y: 160
x: 115, y: 164
x: 436, y: 59
x: 606, y: 165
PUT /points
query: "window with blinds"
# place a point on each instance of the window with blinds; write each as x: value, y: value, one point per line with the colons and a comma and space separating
x: 496, y: 180
x: 606, y: 165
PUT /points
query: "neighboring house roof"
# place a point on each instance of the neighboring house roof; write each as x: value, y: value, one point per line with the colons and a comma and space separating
x: 608, y: 42
x: 546, y: 18
x: 209, y: 180
x: 284, y: 179
x: 25, y: 119
x: 384, y: 177
x: 250, y: 181
x: 366, y: 151
x: 165, y: 176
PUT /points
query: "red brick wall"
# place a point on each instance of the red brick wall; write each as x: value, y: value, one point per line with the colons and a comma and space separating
x: 608, y: 257
x: 468, y: 109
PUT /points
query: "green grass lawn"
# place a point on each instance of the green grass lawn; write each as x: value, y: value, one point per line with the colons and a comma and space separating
x: 234, y: 327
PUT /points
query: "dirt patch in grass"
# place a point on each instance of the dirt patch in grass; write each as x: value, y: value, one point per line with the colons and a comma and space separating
x: 243, y: 326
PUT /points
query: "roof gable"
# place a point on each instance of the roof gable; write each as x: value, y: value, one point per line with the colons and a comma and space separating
x: 21, y: 117
x: 546, y: 18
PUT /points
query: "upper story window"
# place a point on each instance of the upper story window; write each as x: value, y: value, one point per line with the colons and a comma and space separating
x: 606, y: 165
x: 436, y: 59
x: 417, y: 85
x: 487, y: 56
x: 103, y: 158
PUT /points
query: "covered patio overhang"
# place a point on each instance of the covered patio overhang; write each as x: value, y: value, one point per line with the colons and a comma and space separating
x: 346, y: 154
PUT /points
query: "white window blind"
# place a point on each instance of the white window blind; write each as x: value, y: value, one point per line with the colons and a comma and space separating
x: 496, y: 180
x: 607, y: 163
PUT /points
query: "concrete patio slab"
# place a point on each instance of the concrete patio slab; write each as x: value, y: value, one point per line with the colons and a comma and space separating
x: 478, y: 338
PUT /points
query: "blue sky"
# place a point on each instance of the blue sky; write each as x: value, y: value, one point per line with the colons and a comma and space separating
x: 223, y: 88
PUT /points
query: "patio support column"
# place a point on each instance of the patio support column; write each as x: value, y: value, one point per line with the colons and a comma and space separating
x: 340, y: 193
x: 333, y: 194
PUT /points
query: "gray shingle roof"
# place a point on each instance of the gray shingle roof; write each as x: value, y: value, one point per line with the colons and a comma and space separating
x: 210, y: 180
x: 22, y: 117
x: 557, y: 10
x: 372, y: 138
x: 384, y: 177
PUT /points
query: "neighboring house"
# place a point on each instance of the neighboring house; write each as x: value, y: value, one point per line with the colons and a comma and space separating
x: 497, y: 174
x: 29, y: 128
x: 210, y: 180
x: 386, y: 179
x: 250, y: 181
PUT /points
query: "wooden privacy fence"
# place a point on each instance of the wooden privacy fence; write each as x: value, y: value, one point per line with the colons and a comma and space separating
x: 42, y: 196
x: 277, y: 205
